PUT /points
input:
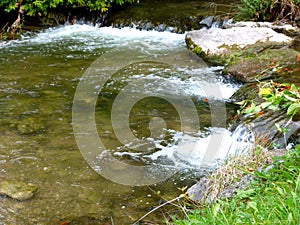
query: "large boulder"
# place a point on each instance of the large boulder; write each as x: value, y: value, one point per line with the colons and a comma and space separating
x: 216, y: 45
x: 249, y: 51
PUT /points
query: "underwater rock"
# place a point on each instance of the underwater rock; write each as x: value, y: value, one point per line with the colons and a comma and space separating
x: 17, y: 190
x: 29, y: 126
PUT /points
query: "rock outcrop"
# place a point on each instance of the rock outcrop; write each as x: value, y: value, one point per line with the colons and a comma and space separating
x: 249, y: 51
x: 216, y: 45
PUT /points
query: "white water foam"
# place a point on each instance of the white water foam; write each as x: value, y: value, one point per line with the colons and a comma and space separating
x: 188, y: 150
x: 94, y: 37
x: 198, y: 83
x: 83, y: 37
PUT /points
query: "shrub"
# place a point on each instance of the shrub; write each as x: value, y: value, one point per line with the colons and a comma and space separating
x: 270, y: 10
x: 41, y: 7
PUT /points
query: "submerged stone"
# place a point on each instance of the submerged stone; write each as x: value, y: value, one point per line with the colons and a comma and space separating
x: 30, y: 125
x: 17, y: 190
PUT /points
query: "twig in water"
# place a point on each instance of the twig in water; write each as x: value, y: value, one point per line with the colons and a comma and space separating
x: 112, y: 220
x: 158, y: 207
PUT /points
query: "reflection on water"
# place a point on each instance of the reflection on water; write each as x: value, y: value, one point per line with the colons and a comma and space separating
x: 39, y: 75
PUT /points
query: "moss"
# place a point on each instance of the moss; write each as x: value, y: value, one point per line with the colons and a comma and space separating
x: 260, y: 63
x: 189, y: 43
x: 197, y: 50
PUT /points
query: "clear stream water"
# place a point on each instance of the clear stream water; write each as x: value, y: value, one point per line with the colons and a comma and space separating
x: 39, y: 75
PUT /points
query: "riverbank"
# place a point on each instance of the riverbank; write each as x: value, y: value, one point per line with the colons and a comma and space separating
x: 272, y: 195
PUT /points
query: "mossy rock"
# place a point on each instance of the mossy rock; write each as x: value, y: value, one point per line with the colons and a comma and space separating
x: 264, y: 64
x: 17, y: 190
x: 226, y: 46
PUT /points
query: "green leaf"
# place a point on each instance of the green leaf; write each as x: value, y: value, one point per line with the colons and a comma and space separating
x: 278, y: 127
x: 280, y: 191
x: 265, y: 104
x: 293, y: 109
x: 252, y: 109
x: 253, y: 205
x: 265, y: 91
x: 273, y: 107
x: 245, y: 193
x: 216, y: 209
x: 290, y: 98
x: 294, y: 88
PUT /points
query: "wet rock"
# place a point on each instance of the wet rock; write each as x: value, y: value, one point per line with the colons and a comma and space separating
x: 161, y: 27
x: 249, y: 52
x: 17, y: 190
x: 202, y: 191
x: 208, y: 21
x: 199, y: 191
x: 263, y: 125
x: 280, y: 28
x: 177, y: 15
x: 261, y: 63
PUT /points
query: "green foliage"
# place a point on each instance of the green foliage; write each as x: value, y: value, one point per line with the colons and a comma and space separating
x: 41, y: 7
x: 269, y: 10
x: 256, y: 9
x: 273, y: 198
x: 197, y: 50
x: 276, y: 96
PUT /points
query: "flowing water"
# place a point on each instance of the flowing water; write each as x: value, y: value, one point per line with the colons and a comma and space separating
x: 39, y: 75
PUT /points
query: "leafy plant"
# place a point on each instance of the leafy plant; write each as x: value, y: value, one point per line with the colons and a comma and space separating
x: 269, y: 10
x: 276, y: 96
x: 42, y: 7
x: 257, y: 9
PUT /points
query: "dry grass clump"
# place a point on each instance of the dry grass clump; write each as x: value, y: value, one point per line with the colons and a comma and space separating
x: 236, y: 172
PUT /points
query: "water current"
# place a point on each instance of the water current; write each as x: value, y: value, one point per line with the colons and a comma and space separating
x: 152, y: 103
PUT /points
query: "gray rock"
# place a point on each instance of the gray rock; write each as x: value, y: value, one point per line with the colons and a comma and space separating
x: 208, y: 21
x: 17, y: 190
x: 204, y: 190
x: 281, y: 28
x: 199, y: 191
x: 215, y: 42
